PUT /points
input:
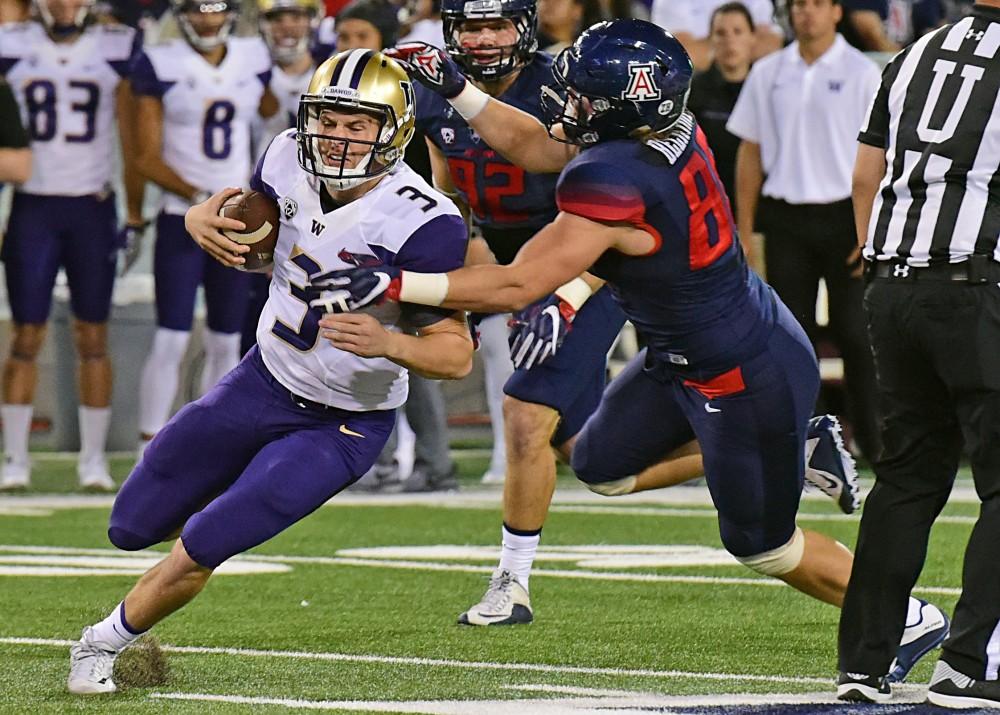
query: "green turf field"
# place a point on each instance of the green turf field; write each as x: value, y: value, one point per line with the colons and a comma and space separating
x: 341, y: 613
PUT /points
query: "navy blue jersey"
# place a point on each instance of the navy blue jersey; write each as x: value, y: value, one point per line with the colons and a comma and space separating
x: 509, y: 204
x: 701, y: 310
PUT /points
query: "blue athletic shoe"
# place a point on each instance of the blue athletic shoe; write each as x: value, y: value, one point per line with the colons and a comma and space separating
x: 829, y: 466
x: 926, y: 633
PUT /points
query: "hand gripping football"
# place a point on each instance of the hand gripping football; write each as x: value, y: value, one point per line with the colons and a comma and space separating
x: 259, y: 212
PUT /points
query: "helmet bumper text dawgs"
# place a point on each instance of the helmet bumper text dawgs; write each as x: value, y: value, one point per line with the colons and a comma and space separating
x: 350, y: 82
x: 618, y: 80
x: 181, y: 9
x: 524, y: 15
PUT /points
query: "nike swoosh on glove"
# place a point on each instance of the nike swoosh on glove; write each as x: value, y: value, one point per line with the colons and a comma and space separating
x: 347, y: 289
x: 538, y: 331
x: 430, y: 66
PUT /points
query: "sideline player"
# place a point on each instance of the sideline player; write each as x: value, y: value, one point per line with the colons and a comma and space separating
x: 307, y: 411
x: 546, y: 405
x: 197, y: 97
x: 643, y: 207
x: 69, y: 75
x: 289, y: 31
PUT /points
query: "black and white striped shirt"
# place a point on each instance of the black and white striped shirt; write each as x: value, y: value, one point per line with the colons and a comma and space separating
x: 937, y: 114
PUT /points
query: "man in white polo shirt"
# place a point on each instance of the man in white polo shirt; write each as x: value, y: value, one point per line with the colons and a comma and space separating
x: 690, y: 22
x: 798, y: 117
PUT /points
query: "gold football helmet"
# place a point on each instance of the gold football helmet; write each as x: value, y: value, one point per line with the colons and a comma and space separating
x: 353, y: 82
x: 285, y: 47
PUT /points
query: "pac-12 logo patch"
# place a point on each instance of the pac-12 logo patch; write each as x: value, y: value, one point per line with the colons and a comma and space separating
x: 641, y: 86
x: 289, y: 208
x: 448, y: 134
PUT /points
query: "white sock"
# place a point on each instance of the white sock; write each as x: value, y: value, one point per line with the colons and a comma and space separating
x: 16, y: 428
x: 113, y: 632
x: 94, y: 422
x: 160, y: 377
x: 222, y: 354
x: 912, y: 612
x: 518, y: 553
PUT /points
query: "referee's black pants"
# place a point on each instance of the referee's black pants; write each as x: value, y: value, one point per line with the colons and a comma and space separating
x: 937, y: 354
x: 806, y: 242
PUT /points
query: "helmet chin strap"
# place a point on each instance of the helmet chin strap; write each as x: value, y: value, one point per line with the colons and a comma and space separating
x: 349, y: 178
x: 63, y: 30
x: 205, y: 44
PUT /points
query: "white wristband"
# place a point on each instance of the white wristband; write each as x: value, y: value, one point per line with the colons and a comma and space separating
x: 470, y: 101
x: 423, y: 288
x: 576, y: 293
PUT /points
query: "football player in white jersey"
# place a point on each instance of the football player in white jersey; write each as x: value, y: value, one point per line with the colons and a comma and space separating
x: 289, y: 30
x: 307, y: 411
x: 69, y: 77
x: 196, y: 99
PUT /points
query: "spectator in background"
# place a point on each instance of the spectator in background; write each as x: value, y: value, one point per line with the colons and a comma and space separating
x: 690, y: 22
x: 714, y: 91
x: 798, y: 116
x: 888, y: 25
x: 422, y: 22
x: 15, y: 154
x: 371, y: 24
x: 561, y: 21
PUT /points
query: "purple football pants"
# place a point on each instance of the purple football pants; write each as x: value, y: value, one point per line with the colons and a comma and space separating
x: 241, y: 465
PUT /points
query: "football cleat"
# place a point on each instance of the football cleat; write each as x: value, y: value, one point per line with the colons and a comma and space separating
x: 90, y: 667
x: 951, y: 689
x: 505, y: 603
x: 919, y: 638
x: 862, y: 688
x: 14, y: 475
x: 94, y: 476
x: 829, y: 466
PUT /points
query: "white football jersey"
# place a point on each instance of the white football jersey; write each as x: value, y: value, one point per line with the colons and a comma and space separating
x: 207, y: 110
x: 403, y: 221
x: 66, y: 92
x: 288, y: 89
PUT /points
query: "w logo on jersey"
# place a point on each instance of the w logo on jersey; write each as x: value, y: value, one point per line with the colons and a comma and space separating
x: 641, y: 85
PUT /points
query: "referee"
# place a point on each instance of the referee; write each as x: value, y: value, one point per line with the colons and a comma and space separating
x: 929, y: 161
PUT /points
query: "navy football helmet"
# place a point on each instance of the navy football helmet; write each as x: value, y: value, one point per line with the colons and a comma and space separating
x: 524, y: 15
x: 618, y: 79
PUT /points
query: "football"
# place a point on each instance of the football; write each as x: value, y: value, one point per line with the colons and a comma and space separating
x: 259, y: 213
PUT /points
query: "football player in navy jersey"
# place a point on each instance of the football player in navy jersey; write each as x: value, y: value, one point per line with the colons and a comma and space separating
x: 546, y: 405
x: 69, y: 75
x: 495, y: 44
x: 642, y: 207
x: 197, y: 97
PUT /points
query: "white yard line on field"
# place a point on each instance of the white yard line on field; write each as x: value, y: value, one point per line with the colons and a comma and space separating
x: 446, y: 663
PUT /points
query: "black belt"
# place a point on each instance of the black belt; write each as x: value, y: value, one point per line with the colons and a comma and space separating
x: 300, y: 401
x: 976, y: 269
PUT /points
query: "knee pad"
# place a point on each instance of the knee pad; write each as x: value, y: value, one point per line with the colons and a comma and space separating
x: 779, y: 561
x: 129, y: 541
x: 616, y: 488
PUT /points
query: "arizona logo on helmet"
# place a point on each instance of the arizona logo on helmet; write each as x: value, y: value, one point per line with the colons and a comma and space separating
x: 641, y: 86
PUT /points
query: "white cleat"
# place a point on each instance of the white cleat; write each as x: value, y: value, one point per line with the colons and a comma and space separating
x: 90, y: 667
x: 505, y: 603
x: 14, y: 475
x: 94, y: 475
x: 492, y: 477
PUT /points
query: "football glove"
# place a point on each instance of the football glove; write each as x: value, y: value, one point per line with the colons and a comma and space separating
x: 129, y: 242
x: 430, y: 66
x: 347, y: 289
x: 538, y: 331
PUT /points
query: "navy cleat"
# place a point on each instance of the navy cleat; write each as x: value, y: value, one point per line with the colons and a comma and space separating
x: 829, y: 466
x: 862, y: 688
x: 926, y: 633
